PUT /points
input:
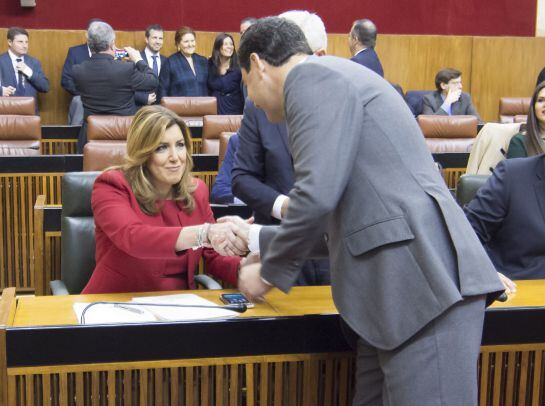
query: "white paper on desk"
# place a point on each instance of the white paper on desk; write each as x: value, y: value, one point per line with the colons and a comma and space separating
x: 183, y: 313
x: 110, y: 314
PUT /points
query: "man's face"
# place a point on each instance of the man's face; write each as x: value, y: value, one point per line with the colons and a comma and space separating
x: 453, y: 85
x: 244, y: 27
x: 262, y: 89
x: 19, y: 44
x: 155, y: 40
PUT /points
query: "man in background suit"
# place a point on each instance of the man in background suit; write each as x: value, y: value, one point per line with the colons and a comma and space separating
x: 107, y: 85
x: 361, y: 41
x: 263, y: 170
x: 409, y: 275
x: 75, y: 56
x: 151, y: 55
x: 21, y: 74
x: 449, y: 98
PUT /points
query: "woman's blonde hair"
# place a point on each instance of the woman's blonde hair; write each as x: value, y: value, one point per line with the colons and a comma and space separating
x: 144, y: 136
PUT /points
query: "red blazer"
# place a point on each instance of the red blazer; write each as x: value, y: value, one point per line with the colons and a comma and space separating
x: 135, y: 251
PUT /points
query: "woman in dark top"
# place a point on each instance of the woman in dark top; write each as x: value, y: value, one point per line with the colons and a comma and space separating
x: 529, y: 142
x: 224, y: 76
x: 184, y: 73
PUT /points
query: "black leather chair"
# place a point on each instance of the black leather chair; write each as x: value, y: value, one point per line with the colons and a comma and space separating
x: 467, y: 187
x: 78, y: 236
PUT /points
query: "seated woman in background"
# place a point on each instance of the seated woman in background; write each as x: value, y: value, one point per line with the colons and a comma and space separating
x: 184, y: 73
x: 508, y: 215
x: 449, y: 99
x: 224, y: 76
x: 529, y: 141
x: 153, y: 220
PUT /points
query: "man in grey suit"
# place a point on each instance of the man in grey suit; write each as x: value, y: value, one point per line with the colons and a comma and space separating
x: 409, y: 275
x: 449, y: 98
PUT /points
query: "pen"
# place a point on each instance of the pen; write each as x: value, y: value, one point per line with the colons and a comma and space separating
x: 129, y: 308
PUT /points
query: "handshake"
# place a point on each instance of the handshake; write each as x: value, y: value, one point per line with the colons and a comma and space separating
x: 230, y: 235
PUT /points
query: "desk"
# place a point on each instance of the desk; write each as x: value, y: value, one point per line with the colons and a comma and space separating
x: 287, y: 351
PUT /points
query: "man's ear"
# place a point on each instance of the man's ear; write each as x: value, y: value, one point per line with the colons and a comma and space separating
x: 257, y: 64
x: 444, y: 86
x: 320, y: 52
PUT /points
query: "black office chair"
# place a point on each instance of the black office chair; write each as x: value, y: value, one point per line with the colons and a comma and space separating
x: 78, y: 236
x: 467, y: 187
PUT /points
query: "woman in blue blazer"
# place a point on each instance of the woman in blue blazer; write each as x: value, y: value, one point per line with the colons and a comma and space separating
x: 224, y: 76
x: 185, y: 73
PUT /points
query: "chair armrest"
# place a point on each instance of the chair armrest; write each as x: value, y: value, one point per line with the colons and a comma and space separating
x: 207, y: 282
x: 58, y: 288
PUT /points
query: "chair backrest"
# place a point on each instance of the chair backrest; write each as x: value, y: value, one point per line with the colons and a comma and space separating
x: 520, y: 118
x: 467, y: 187
x: 22, y: 106
x: 213, y: 126
x: 448, y: 133
x: 191, y: 107
x: 78, y: 230
x: 224, y: 141
x: 513, y: 106
x: 414, y: 99
x: 99, y: 155
x: 18, y: 133
x: 108, y: 128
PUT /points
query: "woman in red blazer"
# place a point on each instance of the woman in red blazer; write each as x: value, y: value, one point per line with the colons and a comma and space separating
x: 153, y: 220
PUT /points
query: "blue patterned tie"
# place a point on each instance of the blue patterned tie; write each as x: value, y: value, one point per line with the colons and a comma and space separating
x: 20, y: 89
x: 155, y: 67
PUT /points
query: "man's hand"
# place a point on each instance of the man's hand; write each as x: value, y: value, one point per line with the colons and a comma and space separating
x: 152, y: 98
x: 8, y: 91
x: 508, y: 284
x: 134, y: 55
x: 453, y: 96
x: 228, y: 238
x: 284, y: 208
x: 250, y: 282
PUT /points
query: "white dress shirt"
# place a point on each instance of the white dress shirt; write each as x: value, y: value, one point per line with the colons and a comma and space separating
x: 27, y: 71
x: 149, y: 59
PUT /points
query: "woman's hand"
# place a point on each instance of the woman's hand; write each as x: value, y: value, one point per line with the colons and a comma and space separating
x: 229, y: 236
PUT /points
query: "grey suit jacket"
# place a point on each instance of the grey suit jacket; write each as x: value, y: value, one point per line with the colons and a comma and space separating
x: 368, y: 193
x: 432, y: 102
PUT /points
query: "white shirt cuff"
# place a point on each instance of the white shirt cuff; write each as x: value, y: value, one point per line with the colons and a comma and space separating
x: 253, y: 237
x: 277, y: 206
x: 28, y: 72
x: 238, y: 201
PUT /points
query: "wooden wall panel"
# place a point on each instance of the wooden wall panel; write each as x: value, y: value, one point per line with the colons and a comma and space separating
x: 492, y: 66
x: 504, y: 67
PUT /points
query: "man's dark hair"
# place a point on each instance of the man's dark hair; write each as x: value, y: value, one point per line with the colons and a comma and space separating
x: 365, y: 31
x: 154, y: 27
x: 445, y: 76
x: 249, y: 20
x: 14, y: 31
x: 274, y: 39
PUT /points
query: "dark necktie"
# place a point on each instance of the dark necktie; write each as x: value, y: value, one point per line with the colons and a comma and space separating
x: 20, y: 90
x: 155, y: 67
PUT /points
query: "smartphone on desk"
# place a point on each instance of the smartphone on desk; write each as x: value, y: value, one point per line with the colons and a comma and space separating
x: 236, y: 298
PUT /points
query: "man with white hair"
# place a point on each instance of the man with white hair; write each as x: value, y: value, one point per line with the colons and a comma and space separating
x: 262, y: 175
x: 107, y: 85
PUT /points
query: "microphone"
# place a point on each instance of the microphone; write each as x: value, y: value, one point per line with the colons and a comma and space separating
x: 235, y: 307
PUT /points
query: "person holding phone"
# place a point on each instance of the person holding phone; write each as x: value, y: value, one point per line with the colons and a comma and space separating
x: 449, y: 98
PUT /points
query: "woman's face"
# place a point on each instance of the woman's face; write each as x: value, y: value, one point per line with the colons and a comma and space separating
x: 167, y: 163
x: 539, y: 107
x: 187, y: 44
x: 228, y: 48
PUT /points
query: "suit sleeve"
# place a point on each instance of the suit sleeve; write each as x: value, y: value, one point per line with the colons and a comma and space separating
x: 488, y: 209
x: 516, y: 148
x: 248, y: 174
x: 143, y: 77
x: 67, y: 82
x: 141, y: 98
x: 38, y: 79
x: 428, y: 108
x: 164, y: 80
x: 471, y: 110
x: 321, y: 138
x: 221, y: 191
x: 115, y: 216
x: 221, y: 267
